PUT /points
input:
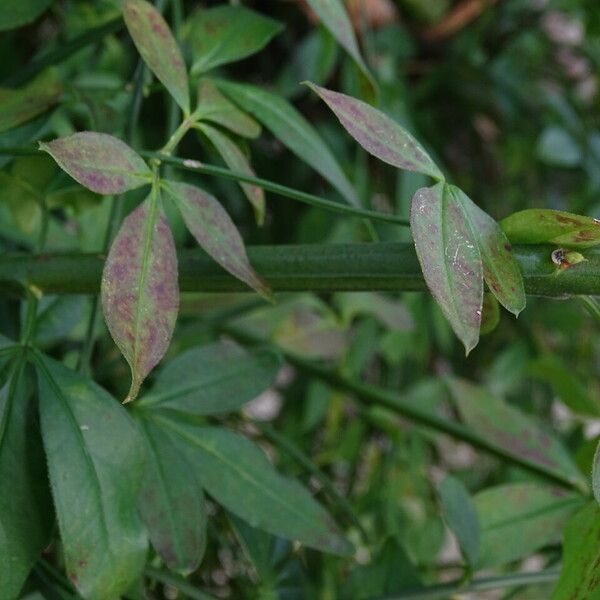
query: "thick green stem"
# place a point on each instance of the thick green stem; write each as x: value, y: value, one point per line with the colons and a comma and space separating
x: 296, y: 268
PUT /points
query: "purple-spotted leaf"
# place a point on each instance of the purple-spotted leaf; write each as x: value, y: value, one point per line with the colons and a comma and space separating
x: 21, y: 105
x: 100, y: 162
x: 157, y: 46
x: 214, y: 230
x: 216, y: 108
x: 511, y: 430
x: 140, y: 296
x: 236, y: 160
x: 500, y: 269
x: 378, y: 134
x: 547, y: 226
x: 450, y: 259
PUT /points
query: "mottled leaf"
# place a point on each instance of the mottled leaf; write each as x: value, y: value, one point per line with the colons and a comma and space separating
x: 333, y: 15
x: 15, y: 13
x: 216, y: 108
x: 25, y: 513
x: 100, y: 162
x: 379, y: 134
x: 225, y: 34
x: 546, y: 226
x: 213, y: 379
x: 450, y: 259
x: 238, y: 475
x: 579, y: 578
x: 236, y: 160
x: 20, y: 105
x: 461, y: 517
x: 512, y: 430
x: 157, y: 46
x: 500, y: 269
x: 95, y: 463
x: 140, y: 295
x: 214, y: 230
x: 518, y: 519
x: 171, y: 502
x: 293, y: 131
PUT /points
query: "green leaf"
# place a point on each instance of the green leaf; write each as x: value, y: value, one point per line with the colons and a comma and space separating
x: 512, y: 430
x: 236, y: 160
x: 140, y: 294
x: 157, y: 46
x: 214, y: 230
x: 450, y: 259
x: 216, y: 108
x: 378, y: 134
x: 518, y: 519
x: 172, y: 502
x: 15, y: 13
x: 500, y: 269
x: 95, y: 462
x: 332, y: 13
x: 581, y: 555
x: 461, y: 517
x: 213, y: 379
x: 23, y: 104
x: 547, y: 226
x: 100, y: 162
x: 238, y: 475
x: 293, y: 131
x: 225, y: 34
x: 25, y: 514
x: 490, y: 314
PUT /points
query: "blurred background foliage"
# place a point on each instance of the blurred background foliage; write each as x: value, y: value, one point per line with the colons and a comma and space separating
x: 505, y: 96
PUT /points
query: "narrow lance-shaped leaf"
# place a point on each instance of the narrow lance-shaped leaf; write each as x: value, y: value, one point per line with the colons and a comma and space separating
x: 171, y: 502
x: 238, y: 475
x: 378, y: 134
x: 224, y: 34
x: 100, y: 162
x: 213, y: 379
x: 293, y: 131
x: 518, y: 519
x: 216, y: 108
x: 140, y: 295
x: 500, y: 269
x: 546, y: 226
x: 95, y: 462
x: 581, y: 556
x: 157, y: 46
x: 596, y: 474
x: 21, y: 105
x: 25, y: 506
x: 450, y: 259
x: 214, y: 230
x: 332, y: 13
x: 236, y: 160
x: 512, y: 430
x: 15, y: 13
x: 461, y: 517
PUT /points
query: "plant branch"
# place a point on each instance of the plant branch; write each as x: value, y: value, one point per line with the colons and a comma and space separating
x: 298, y: 268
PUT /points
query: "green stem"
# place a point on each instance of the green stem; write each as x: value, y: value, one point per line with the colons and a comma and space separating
x: 372, y: 394
x: 449, y: 590
x: 276, y: 188
x: 592, y: 306
x: 386, y: 266
x: 176, y: 582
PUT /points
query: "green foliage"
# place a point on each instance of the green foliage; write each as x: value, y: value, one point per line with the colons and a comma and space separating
x: 334, y: 442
